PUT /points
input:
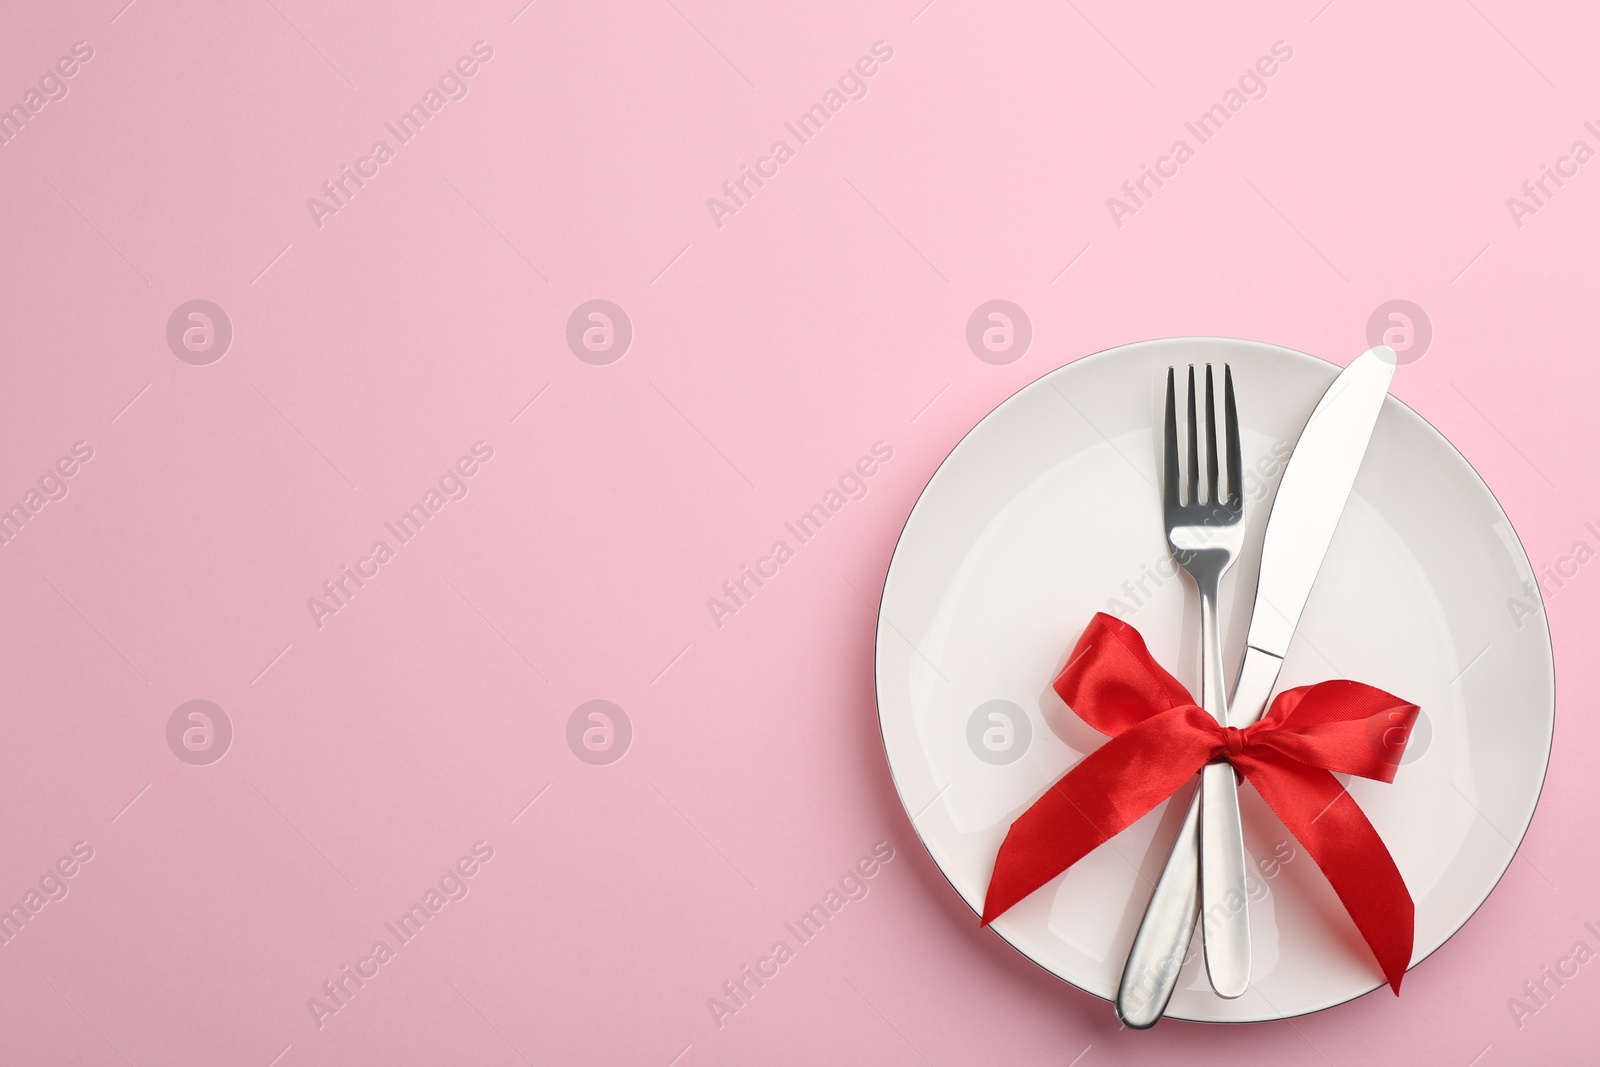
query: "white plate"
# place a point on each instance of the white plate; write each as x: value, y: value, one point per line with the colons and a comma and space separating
x: 1048, y: 512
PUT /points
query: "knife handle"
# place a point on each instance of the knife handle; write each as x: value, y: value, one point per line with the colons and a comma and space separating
x: 1162, y: 943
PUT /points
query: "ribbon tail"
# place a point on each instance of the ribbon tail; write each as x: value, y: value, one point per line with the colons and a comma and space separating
x: 1109, y: 790
x: 1322, y: 815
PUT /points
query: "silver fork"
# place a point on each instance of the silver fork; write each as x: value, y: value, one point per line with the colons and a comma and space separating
x: 1205, y: 534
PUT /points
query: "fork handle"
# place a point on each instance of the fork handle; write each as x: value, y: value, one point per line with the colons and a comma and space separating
x: 1223, y: 895
x: 1161, y: 946
x: 1224, y: 902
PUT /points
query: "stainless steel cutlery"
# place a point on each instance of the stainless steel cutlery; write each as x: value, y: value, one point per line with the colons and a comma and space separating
x: 1205, y: 531
x: 1206, y: 866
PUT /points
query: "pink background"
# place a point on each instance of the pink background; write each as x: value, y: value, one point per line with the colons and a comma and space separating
x: 768, y: 353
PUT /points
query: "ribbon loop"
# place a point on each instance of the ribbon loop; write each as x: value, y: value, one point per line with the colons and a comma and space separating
x: 1159, y: 738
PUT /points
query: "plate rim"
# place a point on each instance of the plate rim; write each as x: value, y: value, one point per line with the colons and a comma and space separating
x: 1543, y: 616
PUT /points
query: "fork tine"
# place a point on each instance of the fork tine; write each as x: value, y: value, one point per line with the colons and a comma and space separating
x: 1235, y: 460
x: 1194, y: 447
x: 1169, y: 481
x: 1213, y: 490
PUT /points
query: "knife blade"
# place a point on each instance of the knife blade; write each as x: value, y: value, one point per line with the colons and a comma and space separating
x: 1311, y: 497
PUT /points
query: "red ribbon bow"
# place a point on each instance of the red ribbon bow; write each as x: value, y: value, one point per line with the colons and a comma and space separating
x: 1160, y: 739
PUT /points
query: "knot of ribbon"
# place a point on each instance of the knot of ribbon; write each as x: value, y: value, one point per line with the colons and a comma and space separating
x: 1159, y: 739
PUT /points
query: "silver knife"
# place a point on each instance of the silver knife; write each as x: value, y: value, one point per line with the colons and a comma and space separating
x: 1311, y: 497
